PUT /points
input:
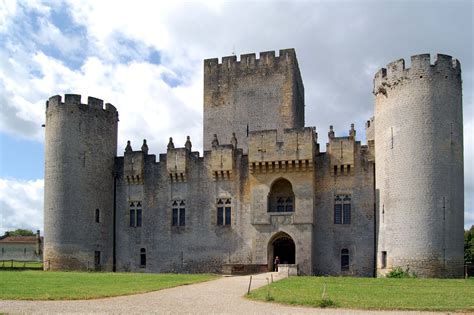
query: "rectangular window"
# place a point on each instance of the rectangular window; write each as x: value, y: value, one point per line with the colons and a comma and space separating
x: 142, y: 258
x: 384, y: 260
x: 175, y: 217
x: 346, y: 213
x: 182, y: 217
x: 220, y: 216
x: 337, y: 214
x: 132, y: 217
x: 345, y: 259
x: 97, y: 257
x: 289, y: 204
x: 139, y: 217
x: 97, y: 215
x: 227, y: 215
x: 280, y: 204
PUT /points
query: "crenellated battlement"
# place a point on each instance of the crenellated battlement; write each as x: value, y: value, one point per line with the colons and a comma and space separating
x: 75, y: 100
x: 444, y: 67
x: 296, y: 151
x: 268, y: 59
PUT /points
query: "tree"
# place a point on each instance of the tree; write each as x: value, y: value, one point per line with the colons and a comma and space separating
x: 469, y: 245
x: 19, y: 232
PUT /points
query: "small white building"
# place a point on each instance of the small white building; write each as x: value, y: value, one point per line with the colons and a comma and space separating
x: 23, y: 248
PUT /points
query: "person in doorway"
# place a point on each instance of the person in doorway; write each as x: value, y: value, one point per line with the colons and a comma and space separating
x: 276, y: 263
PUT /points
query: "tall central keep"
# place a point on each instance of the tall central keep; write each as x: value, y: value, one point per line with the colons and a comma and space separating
x: 250, y: 95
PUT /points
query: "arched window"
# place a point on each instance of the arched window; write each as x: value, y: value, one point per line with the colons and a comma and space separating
x: 135, y: 213
x: 281, y: 198
x: 142, y: 258
x: 344, y: 259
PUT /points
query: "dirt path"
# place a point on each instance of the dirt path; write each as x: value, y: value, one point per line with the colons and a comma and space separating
x: 222, y: 296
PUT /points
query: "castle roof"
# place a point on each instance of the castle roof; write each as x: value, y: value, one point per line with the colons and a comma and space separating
x: 19, y: 239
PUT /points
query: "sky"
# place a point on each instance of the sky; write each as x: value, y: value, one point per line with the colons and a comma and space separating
x: 146, y: 58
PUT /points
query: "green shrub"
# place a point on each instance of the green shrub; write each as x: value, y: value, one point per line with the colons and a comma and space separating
x: 326, y: 302
x: 398, y: 272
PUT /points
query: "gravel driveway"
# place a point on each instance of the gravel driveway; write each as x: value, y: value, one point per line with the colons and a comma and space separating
x: 222, y: 296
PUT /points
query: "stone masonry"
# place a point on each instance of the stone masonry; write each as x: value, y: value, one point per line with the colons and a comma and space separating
x: 263, y: 187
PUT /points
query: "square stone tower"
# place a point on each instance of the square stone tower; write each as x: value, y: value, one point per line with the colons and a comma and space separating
x: 252, y: 95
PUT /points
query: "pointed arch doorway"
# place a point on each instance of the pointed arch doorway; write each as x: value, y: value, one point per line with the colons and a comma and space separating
x: 283, y: 246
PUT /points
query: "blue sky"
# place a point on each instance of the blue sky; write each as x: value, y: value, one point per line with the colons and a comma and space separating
x: 145, y: 57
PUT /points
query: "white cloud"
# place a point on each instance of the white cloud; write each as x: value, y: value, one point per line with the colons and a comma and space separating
x: 49, y: 34
x: 21, y: 204
x: 8, y: 9
x: 468, y: 219
x: 469, y: 172
x: 141, y: 21
x: 37, y: 5
x: 148, y: 106
x: 339, y: 48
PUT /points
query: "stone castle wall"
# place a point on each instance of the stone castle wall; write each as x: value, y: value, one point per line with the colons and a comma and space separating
x: 198, y: 246
x: 334, y: 178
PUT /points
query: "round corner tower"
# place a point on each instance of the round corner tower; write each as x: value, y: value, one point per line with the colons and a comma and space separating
x: 80, y: 150
x: 419, y: 166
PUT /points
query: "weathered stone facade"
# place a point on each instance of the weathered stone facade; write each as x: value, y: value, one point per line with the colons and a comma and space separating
x: 263, y: 188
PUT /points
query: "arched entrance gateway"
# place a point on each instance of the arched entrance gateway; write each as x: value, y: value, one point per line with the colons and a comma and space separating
x: 283, y: 246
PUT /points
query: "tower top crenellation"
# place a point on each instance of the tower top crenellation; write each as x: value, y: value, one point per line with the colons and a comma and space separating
x: 75, y: 100
x: 444, y: 66
x: 267, y: 59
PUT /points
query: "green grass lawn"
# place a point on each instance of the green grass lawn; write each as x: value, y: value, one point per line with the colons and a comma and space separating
x: 370, y: 293
x: 39, y: 285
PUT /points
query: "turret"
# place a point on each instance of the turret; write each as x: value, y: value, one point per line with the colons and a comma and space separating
x: 80, y: 149
x: 419, y: 166
x: 342, y: 152
x: 134, y: 164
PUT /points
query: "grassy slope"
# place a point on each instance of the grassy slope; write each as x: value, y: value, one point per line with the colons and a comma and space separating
x: 38, y: 285
x: 369, y: 293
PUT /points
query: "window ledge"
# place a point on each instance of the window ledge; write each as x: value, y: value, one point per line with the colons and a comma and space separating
x: 280, y: 213
x: 178, y: 228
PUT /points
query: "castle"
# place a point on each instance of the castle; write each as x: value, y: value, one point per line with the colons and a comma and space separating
x: 263, y: 187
